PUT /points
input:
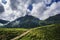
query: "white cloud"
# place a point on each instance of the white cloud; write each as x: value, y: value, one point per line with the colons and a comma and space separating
x: 51, y: 11
x: 40, y: 10
x: 47, y: 1
x: 10, y: 14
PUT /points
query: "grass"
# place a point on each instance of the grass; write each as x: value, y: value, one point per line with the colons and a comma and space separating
x: 9, y: 33
x: 50, y: 32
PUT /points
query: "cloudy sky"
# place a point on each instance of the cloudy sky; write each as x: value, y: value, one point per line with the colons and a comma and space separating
x: 42, y: 9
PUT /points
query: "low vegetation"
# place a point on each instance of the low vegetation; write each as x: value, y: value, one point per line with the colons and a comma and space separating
x: 50, y: 32
x: 9, y: 33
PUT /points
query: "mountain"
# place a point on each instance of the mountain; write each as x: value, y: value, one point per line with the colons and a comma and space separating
x: 27, y: 21
x: 49, y: 32
x: 3, y: 21
x: 53, y: 19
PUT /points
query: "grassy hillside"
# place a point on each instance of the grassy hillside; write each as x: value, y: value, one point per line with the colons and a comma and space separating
x: 50, y: 32
x: 9, y: 33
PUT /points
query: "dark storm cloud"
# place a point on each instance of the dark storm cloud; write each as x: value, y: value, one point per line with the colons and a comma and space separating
x: 1, y: 8
x: 14, y: 4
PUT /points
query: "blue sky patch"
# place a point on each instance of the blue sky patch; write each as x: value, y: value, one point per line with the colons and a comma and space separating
x: 4, y: 1
x: 52, y: 2
x: 30, y: 7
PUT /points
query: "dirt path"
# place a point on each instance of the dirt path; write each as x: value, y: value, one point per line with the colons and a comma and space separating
x: 25, y: 33
x: 21, y: 35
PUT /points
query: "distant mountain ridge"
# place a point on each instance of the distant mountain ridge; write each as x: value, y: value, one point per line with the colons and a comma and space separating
x: 3, y: 21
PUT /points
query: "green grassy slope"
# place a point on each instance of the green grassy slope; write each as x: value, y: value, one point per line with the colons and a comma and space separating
x: 50, y: 32
x: 9, y: 33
